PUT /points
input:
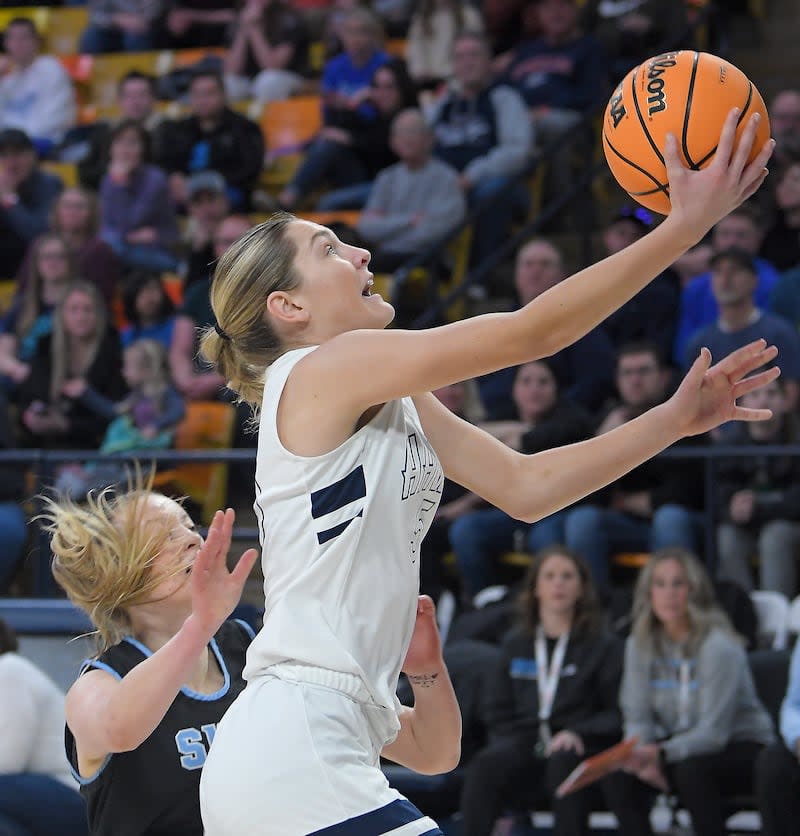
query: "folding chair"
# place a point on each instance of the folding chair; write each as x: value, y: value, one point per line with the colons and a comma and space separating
x: 793, y: 621
x: 288, y: 126
x: 772, y: 609
x: 208, y: 425
x: 65, y: 28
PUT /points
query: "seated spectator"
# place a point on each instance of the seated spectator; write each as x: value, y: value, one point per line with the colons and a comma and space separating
x: 207, y: 206
x: 552, y: 701
x: 740, y: 229
x: 267, y: 58
x: 36, y: 94
x: 212, y: 137
x: 760, y: 499
x: 784, y: 122
x: 482, y: 131
x: 585, y: 369
x: 194, y: 379
x: 778, y: 766
x: 14, y: 534
x: 30, y: 316
x: 734, y: 278
x: 781, y: 245
x: 655, y: 505
x: 431, y: 34
x: 81, y: 348
x: 136, y: 214
x: 136, y: 100
x: 688, y: 695
x: 400, y: 219
x: 544, y: 420
x: 652, y: 315
x: 38, y: 794
x: 75, y: 218
x: 120, y: 26
x: 26, y: 196
x: 560, y: 74
x: 148, y: 309
x: 196, y: 23
x: 630, y: 32
x: 370, y: 149
x: 145, y: 420
x: 347, y: 104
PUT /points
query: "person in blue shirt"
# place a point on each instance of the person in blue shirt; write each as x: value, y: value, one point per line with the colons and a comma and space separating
x: 346, y: 106
x: 698, y: 307
x: 734, y: 279
x: 778, y: 766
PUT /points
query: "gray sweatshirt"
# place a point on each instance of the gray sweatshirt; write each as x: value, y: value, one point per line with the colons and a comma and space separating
x: 719, y: 706
x: 400, y: 195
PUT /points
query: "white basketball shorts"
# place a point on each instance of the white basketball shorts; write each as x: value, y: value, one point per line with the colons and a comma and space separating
x: 294, y: 757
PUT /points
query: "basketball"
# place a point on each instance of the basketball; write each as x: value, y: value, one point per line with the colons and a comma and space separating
x: 686, y: 93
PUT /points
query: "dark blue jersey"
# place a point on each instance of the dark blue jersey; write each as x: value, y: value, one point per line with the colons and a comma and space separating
x: 154, y: 789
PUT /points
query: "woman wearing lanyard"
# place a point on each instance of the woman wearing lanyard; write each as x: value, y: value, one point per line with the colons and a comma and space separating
x: 552, y: 702
x: 687, y: 693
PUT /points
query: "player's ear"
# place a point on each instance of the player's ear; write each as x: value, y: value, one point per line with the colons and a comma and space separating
x: 284, y: 307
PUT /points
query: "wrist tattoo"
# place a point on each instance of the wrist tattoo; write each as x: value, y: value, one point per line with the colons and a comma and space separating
x: 424, y: 680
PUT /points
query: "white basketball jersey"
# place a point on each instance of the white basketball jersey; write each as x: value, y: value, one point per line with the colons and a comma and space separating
x: 340, y: 538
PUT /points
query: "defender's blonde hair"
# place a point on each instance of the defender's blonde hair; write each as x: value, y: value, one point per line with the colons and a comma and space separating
x: 703, y: 611
x: 103, y: 554
x: 259, y: 263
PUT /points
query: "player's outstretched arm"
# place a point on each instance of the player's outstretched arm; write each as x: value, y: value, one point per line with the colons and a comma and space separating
x: 429, y: 740
x: 532, y: 487
x: 109, y: 715
x: 411, y: 362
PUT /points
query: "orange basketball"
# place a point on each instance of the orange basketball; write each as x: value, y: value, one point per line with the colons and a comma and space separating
x: 686, y: 93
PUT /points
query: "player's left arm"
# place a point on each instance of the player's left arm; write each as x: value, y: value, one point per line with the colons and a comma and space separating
x: 429, y: 740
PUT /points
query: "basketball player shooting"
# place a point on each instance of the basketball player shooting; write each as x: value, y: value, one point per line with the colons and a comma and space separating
x: 349, y: 468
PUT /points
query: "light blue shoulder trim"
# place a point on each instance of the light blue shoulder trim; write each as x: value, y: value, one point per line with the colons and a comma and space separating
x: 247, y: 628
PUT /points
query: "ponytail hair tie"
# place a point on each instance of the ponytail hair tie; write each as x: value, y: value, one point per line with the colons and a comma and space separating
x: 223, y: 334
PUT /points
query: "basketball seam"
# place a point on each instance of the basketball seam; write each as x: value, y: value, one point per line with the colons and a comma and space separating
x: 660, y: 187
x: 686, y: 112
x: 640, y: 117
x: 746, y: 107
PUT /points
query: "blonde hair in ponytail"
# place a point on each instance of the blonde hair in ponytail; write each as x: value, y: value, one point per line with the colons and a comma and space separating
x: 259, y: 263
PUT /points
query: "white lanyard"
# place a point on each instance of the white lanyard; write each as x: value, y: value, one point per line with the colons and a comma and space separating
x: 684, y: 674
x: 547, y: 676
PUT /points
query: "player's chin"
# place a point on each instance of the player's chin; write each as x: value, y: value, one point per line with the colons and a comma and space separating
x: 383, y: 313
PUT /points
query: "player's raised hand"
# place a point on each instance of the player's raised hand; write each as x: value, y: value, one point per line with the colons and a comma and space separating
x: 707, y: 396
x: 701, y: 198
x: 215, y: 590
x: 425, y: 651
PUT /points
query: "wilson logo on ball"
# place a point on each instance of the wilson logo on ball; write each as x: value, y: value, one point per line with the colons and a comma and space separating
x: 657, y: 99
x: 616, y: 110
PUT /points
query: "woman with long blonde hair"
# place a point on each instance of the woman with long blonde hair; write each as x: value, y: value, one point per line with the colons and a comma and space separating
x: 688, y: 695
x: 352, y: 451
x: 30, y: 316
x: 81, y: 357
x: 143, y: 712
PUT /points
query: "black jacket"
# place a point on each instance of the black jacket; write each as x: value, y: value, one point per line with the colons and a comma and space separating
x: 586, y: 700
x: 774, y: 479
x: 86, y: 427
x: 234, y: 148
